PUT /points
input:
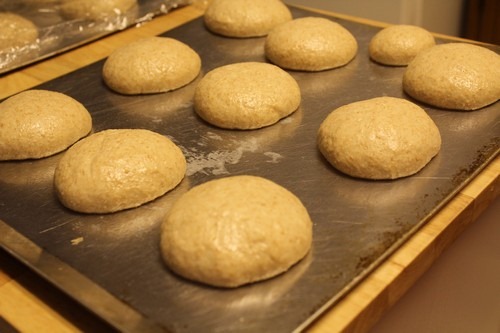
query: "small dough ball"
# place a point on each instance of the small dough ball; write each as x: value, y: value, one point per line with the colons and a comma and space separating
x: 95, y: 9
x: 456, y: 76
x: 118, y: 169
x: 245, y: 18
x: 234, y: 231
x: 151, y: 65
x: 310, y: 44
x: 40, y: 123
x: 17, y: 31
x: 246, y: 95
x: 379, y: 138
x: 397, y: 45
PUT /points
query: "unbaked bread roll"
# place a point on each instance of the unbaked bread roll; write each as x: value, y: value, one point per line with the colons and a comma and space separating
x: 236, y: 230
x: 456, y: 76
x: 118, y: 169
x: 151, y: 65
x: 17, y: 32
x: 246, y: 95
x: 397, y: 45
x: 245, y: 18
x: 310, y: 44
x: 379, y: 138
x: 95, y: 9
x: 40, y: 123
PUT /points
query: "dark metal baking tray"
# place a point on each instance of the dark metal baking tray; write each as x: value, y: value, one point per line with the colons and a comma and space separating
x: 111, y: 263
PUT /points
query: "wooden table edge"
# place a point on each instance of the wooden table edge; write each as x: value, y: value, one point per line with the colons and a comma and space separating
x: 366, y: 303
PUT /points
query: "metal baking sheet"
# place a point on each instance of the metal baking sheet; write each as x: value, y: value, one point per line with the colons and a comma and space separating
x: 111, y: 263
x: 57, y: 34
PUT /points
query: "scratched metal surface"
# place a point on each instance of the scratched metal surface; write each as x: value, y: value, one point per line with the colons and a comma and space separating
x: 111, y: 263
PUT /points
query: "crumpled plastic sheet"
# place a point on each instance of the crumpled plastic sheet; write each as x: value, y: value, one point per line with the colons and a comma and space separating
x: 58, y: 30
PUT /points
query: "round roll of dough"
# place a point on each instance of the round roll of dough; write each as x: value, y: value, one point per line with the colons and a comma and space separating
x: 95, y: 10
x: 245, y: 18
x: 455, y: 76
x: 151, y: 65
x: 397, y: 45
x: 40, y: 123
x: 246, y: 95
x: 17, y: 32
x: 310, y: 44
x: 234, y: 231
x: 379, y: 138
x: 118, y: 169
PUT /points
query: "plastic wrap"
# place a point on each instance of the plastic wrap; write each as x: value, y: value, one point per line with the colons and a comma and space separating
x: 36, y: 29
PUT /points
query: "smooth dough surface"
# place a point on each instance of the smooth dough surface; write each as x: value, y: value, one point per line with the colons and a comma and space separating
x: 379, y: 138
x: 95, y: 10
x: 455, y: 76
x: 246, y: 95
x: 245, y: 18
x: 118, y: 169
x: 17, y: 31
x: 236, y: 230
x: 310, y: 44
x: 40, y: 123
x: 397, y: 45
x: 151, y: 65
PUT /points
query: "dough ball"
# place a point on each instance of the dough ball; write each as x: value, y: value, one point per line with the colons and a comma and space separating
x: 118, y: 169
x: 245, y: 18
x: 236, y: 230
x: 379, y: 138
x: 17, y: 32
x: 151, y: 65
x: 310, y: 44
x: 397, y: 45
x: 456, y: 76
x: 40, y: 123
x: 246, y: 95
x: 95, y: 9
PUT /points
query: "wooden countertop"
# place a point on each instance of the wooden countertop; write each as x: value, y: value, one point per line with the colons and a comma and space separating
x: 30, y: 304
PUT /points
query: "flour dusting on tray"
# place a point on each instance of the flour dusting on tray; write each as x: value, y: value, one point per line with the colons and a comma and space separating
x: 214, y: 162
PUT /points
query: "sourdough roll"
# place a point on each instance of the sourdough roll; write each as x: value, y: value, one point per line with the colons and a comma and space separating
x: 151, y: 65
x: 234, y: 231
x: 245, y: 18
x: 310, y: 44
x: 40, y: 123
x: 17, y: 32
x: 379, y: 138
x: 246, y: 95
x: 118, y: 169
x: 397, y: 45
x: 455, y: 76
